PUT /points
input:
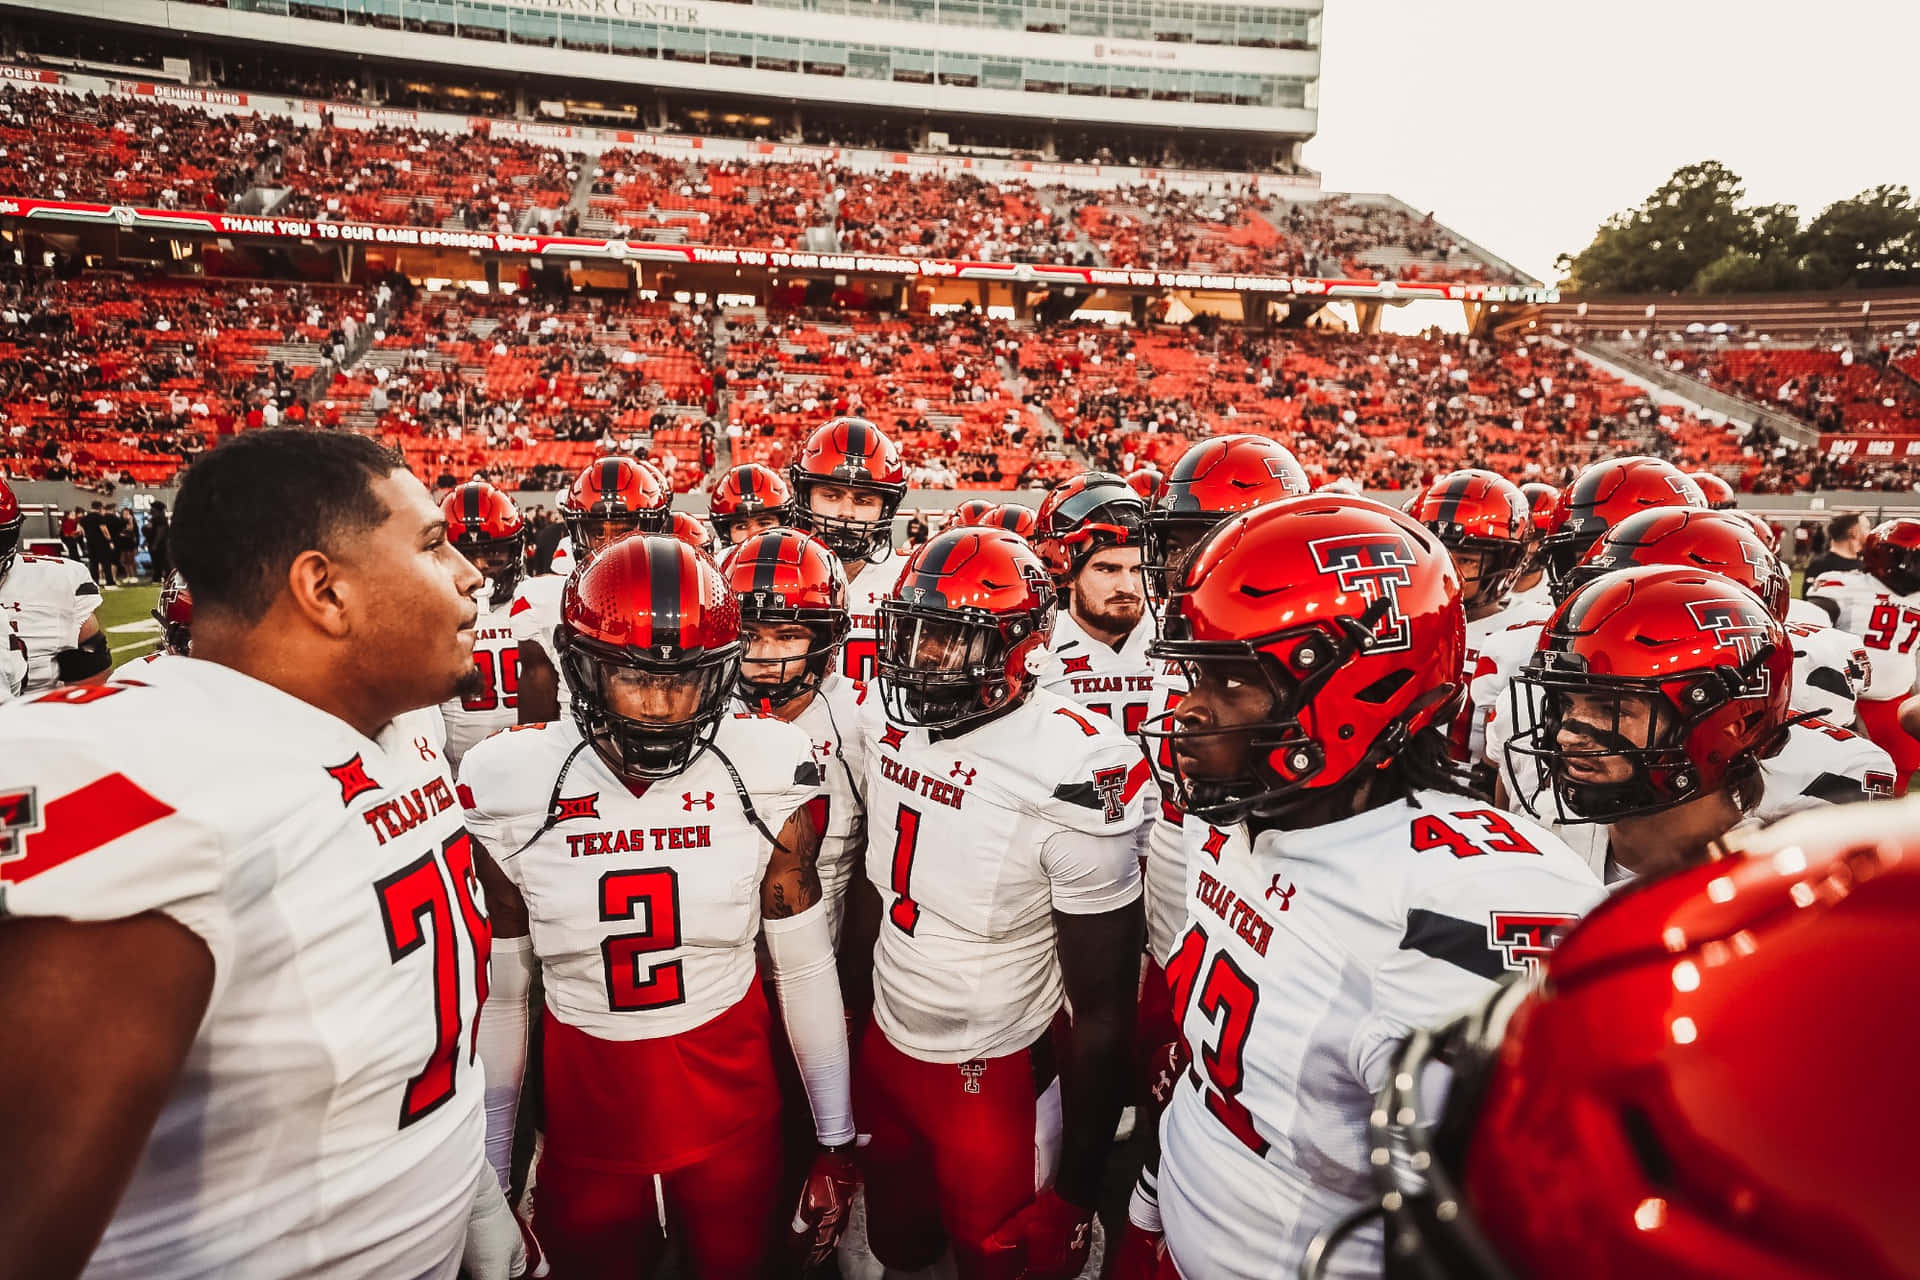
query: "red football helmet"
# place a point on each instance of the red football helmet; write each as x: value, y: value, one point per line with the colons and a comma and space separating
x: 1891, y: 553
x: 970, y: 608
x: 1148, y: 482
x: 1483, y: 514
x: 1348, y: 612
x: 1215, y: 479
x: 784, y: 576
x: 1717, y: 492
x: 175, y: 614
x: 1677, y: 677
x: 850, y: 453
x: 1602, y: 496
x: 486, y: 527
x: 1013, y: 517
x: 1091, y: 511
x: 649, y: 639
x: 1541, y: 498
x: 746, y: 498
x: 1697, y: 1091
x: 693, y: 531
x: 12, y: 522
x: 611, y: 498
x: 972, y: 511
x: 1689, y: 539
x: 1761, y: 526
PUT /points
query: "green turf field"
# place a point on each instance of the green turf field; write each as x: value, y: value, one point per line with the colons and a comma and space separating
x: 126, y: 615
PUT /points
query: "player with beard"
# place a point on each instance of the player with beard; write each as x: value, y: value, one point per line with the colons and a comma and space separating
x: 609, y: 499
x: 751, y: 498
x: 1322, y: 639
x: 46, y: 610
x: 1696, y: 1091
x: 847, y: 485
x: 241, y: 960
x: 486, y: 527
x: 1648, y: 708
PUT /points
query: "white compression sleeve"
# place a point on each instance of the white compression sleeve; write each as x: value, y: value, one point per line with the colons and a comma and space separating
x: 503, y: 1045
x: 804, y: 975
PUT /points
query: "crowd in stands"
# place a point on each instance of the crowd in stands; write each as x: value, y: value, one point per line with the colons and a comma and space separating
x: 1830, y: 387
x: 417, y: 177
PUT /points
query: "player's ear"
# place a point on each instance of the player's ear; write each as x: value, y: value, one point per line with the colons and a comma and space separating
x: 314, y: 586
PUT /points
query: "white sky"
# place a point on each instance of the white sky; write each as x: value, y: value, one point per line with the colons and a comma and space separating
x: 1524, y: 123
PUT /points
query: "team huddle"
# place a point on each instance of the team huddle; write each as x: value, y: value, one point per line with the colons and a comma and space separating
x: 835, y: 875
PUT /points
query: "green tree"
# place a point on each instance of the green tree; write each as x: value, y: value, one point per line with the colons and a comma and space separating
x: 1872, y: 239
x: 1690, y: 223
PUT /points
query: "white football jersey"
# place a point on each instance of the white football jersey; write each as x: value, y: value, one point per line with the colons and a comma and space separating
x: 1501, y: 655
x: 328, y: 1122
x: 865, y: 590
x: 564, y: 562
x: 1540, y: 593
x: 974, y: 842
x: 496, y: 655
x: 533, y: 616
x: 13, y: 666
x: 644, y: 902
x: 832, y: 721
x: 1496, y: 646
x: 1310, y: 956
x: 44, y: 601
x: 1822, y: 763
x: 1829, y: 670
x: 1887, y: 625
x: 1129, y: 688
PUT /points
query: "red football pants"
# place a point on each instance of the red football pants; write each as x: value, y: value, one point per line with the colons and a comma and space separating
x: 955, y: 1150
x: 684, y: 1129
x: 1880, y: 717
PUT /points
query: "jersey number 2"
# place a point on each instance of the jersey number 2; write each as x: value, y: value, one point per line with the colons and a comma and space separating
x: 623, y: 895
x: 410, y: 898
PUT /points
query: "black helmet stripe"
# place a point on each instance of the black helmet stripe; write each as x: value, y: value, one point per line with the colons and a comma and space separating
x: 772, y: 554
x: 749, y: 483
x: 609, y: 478
x: 470, y: 505
x: 663, y: 589
x: 1451, y: 498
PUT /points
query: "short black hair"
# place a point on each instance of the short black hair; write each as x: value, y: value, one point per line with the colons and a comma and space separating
x: 247, y: 509
x: 1842, y: 526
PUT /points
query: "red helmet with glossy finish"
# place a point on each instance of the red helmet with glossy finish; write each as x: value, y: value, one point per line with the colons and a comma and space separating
x: 1761, y: 526
x: 1147, y: 482
x: 748, y: 495
x: 849, y: 453
x: 1541, y: 498
x: 1680, y: 536
x: 1082, y: 515
x: 1013, y: 517
x: 13, y: 522
x: 612, y: 497
x: 786, y: 576
x: 1212, y: 481
x: 1891, y: 553
x: 1718, y: 493
x: 971, y: 607
x: 972, y: 511
x: 1479, y: 513
x: 174, y: 613
x: 1352, y: 614
x: 486, y: 527
x: 1697, y: 1091
x: 693, y: 531
x: 651, y: 623
x: 1715, y: 666
x: 1602, y: 496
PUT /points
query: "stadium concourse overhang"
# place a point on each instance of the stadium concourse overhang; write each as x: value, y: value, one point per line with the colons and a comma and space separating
x: 193, y: 242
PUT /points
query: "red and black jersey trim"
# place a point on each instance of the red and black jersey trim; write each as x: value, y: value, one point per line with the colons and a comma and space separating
x: 1460, y: 943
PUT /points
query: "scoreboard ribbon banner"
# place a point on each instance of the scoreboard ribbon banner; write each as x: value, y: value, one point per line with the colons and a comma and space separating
x: 186, y: 223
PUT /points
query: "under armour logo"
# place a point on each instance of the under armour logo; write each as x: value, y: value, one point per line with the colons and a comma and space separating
x: 19, y: 818
x: 1285, y: 895
x: 688, y: 800
x: 567, y: 808
x: 1080, y: 1236
x: 963, y: 773
x: 425, y: 747
x: 893, y: 737
x: 1080, y: 666
x: 973, y: 1071
x: 1216, y: 841
x: 353, y: 780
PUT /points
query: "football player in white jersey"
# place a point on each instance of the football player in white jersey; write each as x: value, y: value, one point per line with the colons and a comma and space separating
x: 1322, y: 640
x: 241, y: 960
x: 751, y: 498
x: 1485, y: 524
x: 486, y: 527
x: 1003, y: 837
x: 609, y: 499
x: 46, y: 609
x: 1686, y: 1095
x: 847, y: 485
x: 1880, y: 603
x: 1531, y: 585
x: 1648, y: 709
x: 634, y: 857
x: 793, y: 616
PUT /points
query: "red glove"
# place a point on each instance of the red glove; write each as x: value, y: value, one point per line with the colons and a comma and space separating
x: 1047, y: 1240
x: 825, y: 1200
x: 1141, y: 1255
